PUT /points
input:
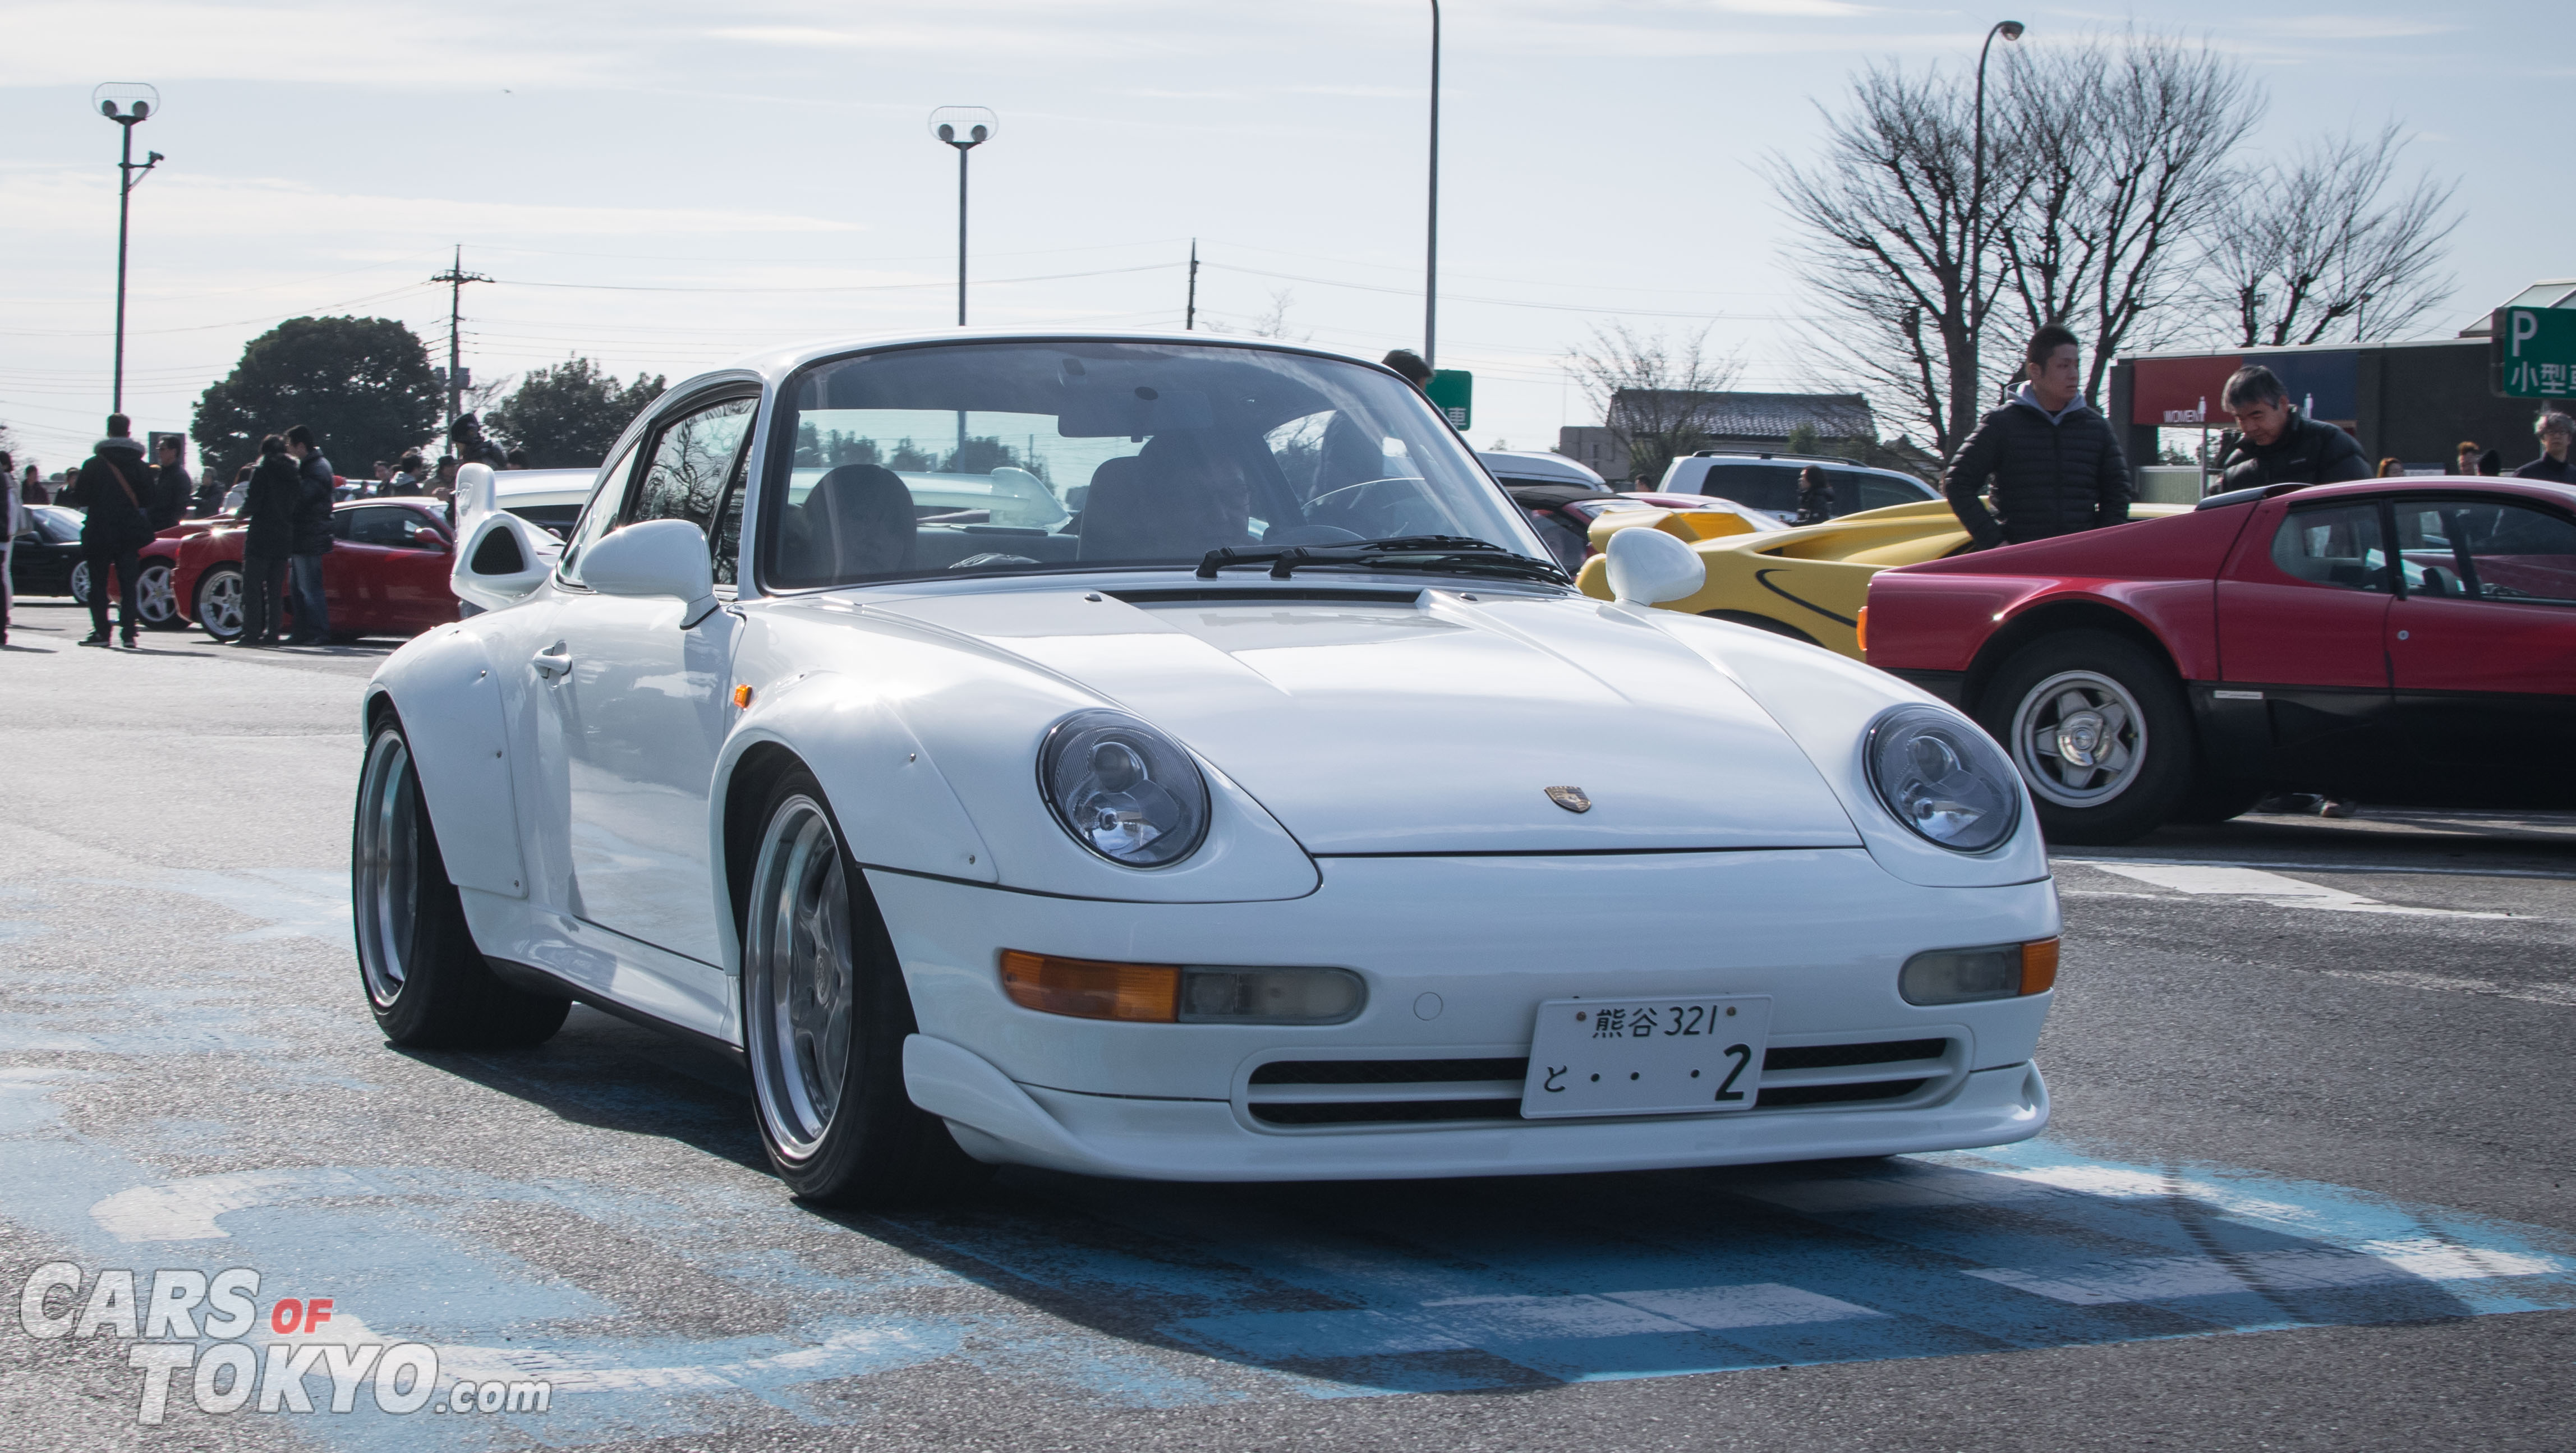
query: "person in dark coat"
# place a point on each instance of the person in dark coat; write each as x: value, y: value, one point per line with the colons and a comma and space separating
x: 465, y: 436
x: 1815, y: 497
x: 171, y: 487
x: 312, y: 538
x: 113, y: 487
x: 2055, y: 462
x: 2274, y: 445
x: 268, y: 510
x: 2556, y: 431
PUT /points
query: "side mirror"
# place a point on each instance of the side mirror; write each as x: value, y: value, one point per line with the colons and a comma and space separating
x: 1649, y: 567
x: 658, y: 558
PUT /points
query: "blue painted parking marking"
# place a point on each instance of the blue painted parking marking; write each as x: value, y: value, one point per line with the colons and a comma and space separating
x: 1151, y: 1295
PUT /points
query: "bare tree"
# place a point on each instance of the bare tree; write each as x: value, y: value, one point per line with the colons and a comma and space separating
x: 2320, y: 246
x: 1272, y: 323
x: 1891, y: 241
x: 1653, y: 394
x: 2124, y: 145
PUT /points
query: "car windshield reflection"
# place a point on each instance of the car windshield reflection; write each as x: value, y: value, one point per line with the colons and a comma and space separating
x: 1012, y: 458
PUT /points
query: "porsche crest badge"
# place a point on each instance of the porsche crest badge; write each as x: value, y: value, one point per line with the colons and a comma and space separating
x: 1569, y: 798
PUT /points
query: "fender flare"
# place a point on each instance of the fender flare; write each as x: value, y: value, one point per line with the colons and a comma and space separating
x: 447, y: 694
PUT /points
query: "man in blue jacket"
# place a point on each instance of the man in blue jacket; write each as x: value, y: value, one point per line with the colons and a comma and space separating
x: 2055, y: 463
x: 312, y: 538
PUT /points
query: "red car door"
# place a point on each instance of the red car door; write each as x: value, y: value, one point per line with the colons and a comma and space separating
x: 353, y: 573
x: 416, y: 591
x: 2302, y: 613
x: 2482, y: 646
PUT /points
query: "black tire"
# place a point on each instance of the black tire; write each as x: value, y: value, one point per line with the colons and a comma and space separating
x: 1761, y: 623
x: 218, y: 603
x: 2210, y: 802
x: 831, y: 1107
x: 2119, y: 706
x: 425, y: 981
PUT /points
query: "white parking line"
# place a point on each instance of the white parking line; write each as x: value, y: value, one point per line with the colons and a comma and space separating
x: 2208, y: 879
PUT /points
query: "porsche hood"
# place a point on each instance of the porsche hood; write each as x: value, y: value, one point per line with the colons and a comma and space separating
x: 1447, y: 724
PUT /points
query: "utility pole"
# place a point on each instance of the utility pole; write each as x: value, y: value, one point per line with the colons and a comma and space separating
x: 456, y: 277
x: 1431, y: 231
x: 1190, y: 318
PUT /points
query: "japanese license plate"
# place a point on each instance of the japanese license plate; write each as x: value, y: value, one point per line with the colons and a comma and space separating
x: 1645, y: 1056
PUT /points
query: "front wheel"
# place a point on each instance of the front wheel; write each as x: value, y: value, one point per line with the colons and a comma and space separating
x: 154, y: 599
x: 825, y: 1014
x: 219, y: 601
x: 2098, y: 728
x: 79, y: 585
x: 426, y: 981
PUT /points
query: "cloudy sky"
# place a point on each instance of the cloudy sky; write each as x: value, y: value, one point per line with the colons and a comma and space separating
x: 660, y: 186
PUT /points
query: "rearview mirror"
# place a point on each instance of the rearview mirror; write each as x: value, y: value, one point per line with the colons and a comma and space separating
x: 661, y: 557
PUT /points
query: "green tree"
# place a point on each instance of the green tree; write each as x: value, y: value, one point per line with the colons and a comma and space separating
x: 569, y: 415
x: 362, y: 385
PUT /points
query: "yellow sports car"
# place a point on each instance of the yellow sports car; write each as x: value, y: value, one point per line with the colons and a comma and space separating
x: 1807, y: 583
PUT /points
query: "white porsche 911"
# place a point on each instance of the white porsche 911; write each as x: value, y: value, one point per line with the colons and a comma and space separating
x: 1176, y: 758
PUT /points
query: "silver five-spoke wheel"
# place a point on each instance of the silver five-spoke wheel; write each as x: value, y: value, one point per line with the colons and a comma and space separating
x: 2079, y: 738
x: 386, y: 875
x: 800, y: 985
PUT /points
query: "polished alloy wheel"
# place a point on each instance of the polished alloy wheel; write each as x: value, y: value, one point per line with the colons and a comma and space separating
x: 79, y: 586
x: 387, y: 876
x: 2079, y: 738
x: 153, y: 597
x: 800, y: 977
x: 219, y: 604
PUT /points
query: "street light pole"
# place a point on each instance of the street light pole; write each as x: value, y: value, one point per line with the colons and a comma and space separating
x: 1431, y: 230
x: 965, y: 128
x: 128, y: 104
x: 1974, y: 241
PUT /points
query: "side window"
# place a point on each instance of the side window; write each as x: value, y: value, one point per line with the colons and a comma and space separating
x: 1878, y: 491
x: 2517, y: 553
x: 2337, y: 546
x: 728, y: 531
x: 599, y: 518
x: 1755, y: 486
x: 391, y: 526
x: 692, y: 462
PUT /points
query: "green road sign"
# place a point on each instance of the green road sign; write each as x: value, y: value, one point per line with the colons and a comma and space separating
x: 1453, y: 392
x: 2534, y: 353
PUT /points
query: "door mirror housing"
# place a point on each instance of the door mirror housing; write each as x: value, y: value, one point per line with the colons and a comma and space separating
x: 656, y: 558
x: 1649, y: 567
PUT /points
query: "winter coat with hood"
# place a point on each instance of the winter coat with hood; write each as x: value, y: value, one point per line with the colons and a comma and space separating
x: 2054, y: 474
x: 313, y: 507
x: 269, y: 508
x: 2306, y: 453
x: 115, y: 487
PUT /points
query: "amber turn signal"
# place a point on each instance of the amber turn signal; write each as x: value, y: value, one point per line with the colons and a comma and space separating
x: 2039, y: 966
x: 742, y: 697
x: 1089, y: 989
x: 1860, y: 628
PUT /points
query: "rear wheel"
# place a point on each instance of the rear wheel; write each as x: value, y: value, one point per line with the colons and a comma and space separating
x: 426, y: 982
x: 825, y: 1014
x: 219, y: 601
x: 80, y: 583
x: 2099, y: 730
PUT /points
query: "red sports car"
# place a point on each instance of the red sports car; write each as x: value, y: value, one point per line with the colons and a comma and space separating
x: 2400, y: 641
x: 386, y: 574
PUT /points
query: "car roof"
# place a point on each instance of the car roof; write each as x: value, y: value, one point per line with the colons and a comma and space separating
x: 1551, y: 468
x: 1830, y: 461
x: 2561, y: 494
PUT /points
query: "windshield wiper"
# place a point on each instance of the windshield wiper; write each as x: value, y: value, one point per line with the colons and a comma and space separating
x: 1457, y: 554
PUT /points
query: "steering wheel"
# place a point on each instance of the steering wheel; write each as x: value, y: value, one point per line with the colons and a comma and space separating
x: 1373, y: 520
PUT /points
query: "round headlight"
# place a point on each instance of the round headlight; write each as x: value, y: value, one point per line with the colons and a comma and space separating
x: 1123, y: 789
x: 1943, y: 778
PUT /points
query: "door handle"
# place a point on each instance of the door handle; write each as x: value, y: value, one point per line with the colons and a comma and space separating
x: 554, y: 661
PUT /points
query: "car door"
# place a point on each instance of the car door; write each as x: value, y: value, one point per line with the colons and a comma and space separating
x: 2482, y: 645
x: 640, y: 707
x: 354, y: 573
x: 414, y: 579
x: 2302, y: 614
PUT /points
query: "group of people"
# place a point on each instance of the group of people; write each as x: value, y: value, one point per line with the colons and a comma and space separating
x: 2555, y: 432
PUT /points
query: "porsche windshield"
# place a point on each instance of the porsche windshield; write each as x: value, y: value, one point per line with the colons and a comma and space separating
x: 1013, y: 457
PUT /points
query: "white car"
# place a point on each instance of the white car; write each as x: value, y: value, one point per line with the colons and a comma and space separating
x: 1244, y: 817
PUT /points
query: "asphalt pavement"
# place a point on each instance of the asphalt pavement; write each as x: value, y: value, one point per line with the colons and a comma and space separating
x: 2307, y: 1185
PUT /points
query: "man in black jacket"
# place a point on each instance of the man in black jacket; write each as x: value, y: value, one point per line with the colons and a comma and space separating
x: 312, y: 538
x: 2055, y: 462
x: 2274, y: 445
x: 2556, y: 432
x: 268, y: 510
x: 171, y: 487
x: 113, y: 487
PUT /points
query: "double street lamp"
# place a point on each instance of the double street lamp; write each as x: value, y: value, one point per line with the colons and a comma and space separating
x: 128, y: 104
x: 965, y: 128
